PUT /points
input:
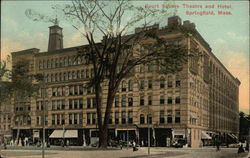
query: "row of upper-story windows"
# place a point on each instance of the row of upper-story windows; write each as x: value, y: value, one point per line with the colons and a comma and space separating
x: 128, y: 86
x: 129, y: 101
x: 73, y: 118
x: 62, y: 62
x: 69, y: 75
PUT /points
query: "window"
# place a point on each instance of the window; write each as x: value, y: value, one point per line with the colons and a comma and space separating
x: 73, y: 75
x: 149, y: 84
x: 75, y: 118
x: 59, y: 91
x: 53, y: 104
x: 63, y: 91
x: 141, y: 100
x: 178, y: 81
x: 88, y: 103
x: 80, y: 89
x: 56, y: 77
x: 71, y: 90
x: 150, y: 100
x: 70, y: 119
x: 117, y: 101
x: 123, y: 100
x: 142, y: 68
x: 170, y: 100
x: 141, y: 84
x: 76, y: 90
x: 142, y: 121
x: 93, y: 118
x: 64, y: 76
x: 75, y: 103
x: 124, y: 85
x: 80, y: 103
x: 77, y: 74
x: 53, y: 119
x: 162, y: 118
x: 69, y: 75
x: 149, y: 119
x: 70, y: 103
x: 162, y: 99
x: 58, y: 105
x: 130, y: 117
x: 94, y: 102
x: 162, y: 82
x: 169, y: 116
x: 123, y: 117
x: 130, y: 101
x: 80, y: 118
x: 82, y: 74
x: 116, y: 117
x: 63, y: 104
x: 53, y: 92
x: 170, y: 82
x: 110, y: 118
x: 38, y: 120
x: 150, y: 68
x: 177, y: 116
x: 130, y: 85
x: 63, y: 119
x: 177, y: 100
x: 88, y: 118
x: 58, y: 119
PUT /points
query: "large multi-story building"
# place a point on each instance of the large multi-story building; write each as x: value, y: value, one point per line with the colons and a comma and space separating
x: 193, y: 105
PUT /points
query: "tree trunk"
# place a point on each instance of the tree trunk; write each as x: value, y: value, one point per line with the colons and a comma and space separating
x: 103, y: 137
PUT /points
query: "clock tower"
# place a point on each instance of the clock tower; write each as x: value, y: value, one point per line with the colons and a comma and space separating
x: 55, y: 37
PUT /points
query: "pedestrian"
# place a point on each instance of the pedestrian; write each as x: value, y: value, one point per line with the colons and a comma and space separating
x: 217, y: 145
x: 241, y: 149
x: 134, y: 146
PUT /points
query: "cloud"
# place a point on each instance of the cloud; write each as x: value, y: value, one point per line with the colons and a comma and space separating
x: 236, y: 37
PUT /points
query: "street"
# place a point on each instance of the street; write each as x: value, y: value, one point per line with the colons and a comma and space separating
x: 73, y: 152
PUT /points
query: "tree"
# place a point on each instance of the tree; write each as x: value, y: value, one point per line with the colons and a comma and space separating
x: 118, y: 53
x: 4, y: 81
x: 22, y: 87
x: 244, y: 126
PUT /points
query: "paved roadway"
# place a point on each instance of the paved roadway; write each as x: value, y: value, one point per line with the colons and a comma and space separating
x: 124, y: 153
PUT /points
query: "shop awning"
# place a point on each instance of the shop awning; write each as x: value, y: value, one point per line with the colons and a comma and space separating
x: 71, y: 134
x: 232, y: 136
x: 66, y: 133
x: 204, y: 135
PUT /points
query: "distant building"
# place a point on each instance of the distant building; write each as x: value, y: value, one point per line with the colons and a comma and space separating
x: 6, y: 112
x: 195, y: 106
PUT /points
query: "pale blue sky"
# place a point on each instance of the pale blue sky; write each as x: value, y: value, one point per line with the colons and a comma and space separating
x: 228, y: 35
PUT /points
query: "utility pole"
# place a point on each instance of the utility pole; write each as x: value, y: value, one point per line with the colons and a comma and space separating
x: 44, y: 106
x: 148, y: 132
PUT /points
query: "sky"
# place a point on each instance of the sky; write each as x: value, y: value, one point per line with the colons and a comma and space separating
x: 227, y: 35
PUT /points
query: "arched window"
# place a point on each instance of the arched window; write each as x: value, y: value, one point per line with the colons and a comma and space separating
x: 124, y: 85
x: 142, y: 119
x: 162, y: 82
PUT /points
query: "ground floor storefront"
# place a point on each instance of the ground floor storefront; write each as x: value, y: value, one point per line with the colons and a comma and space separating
x: 159, y: 137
